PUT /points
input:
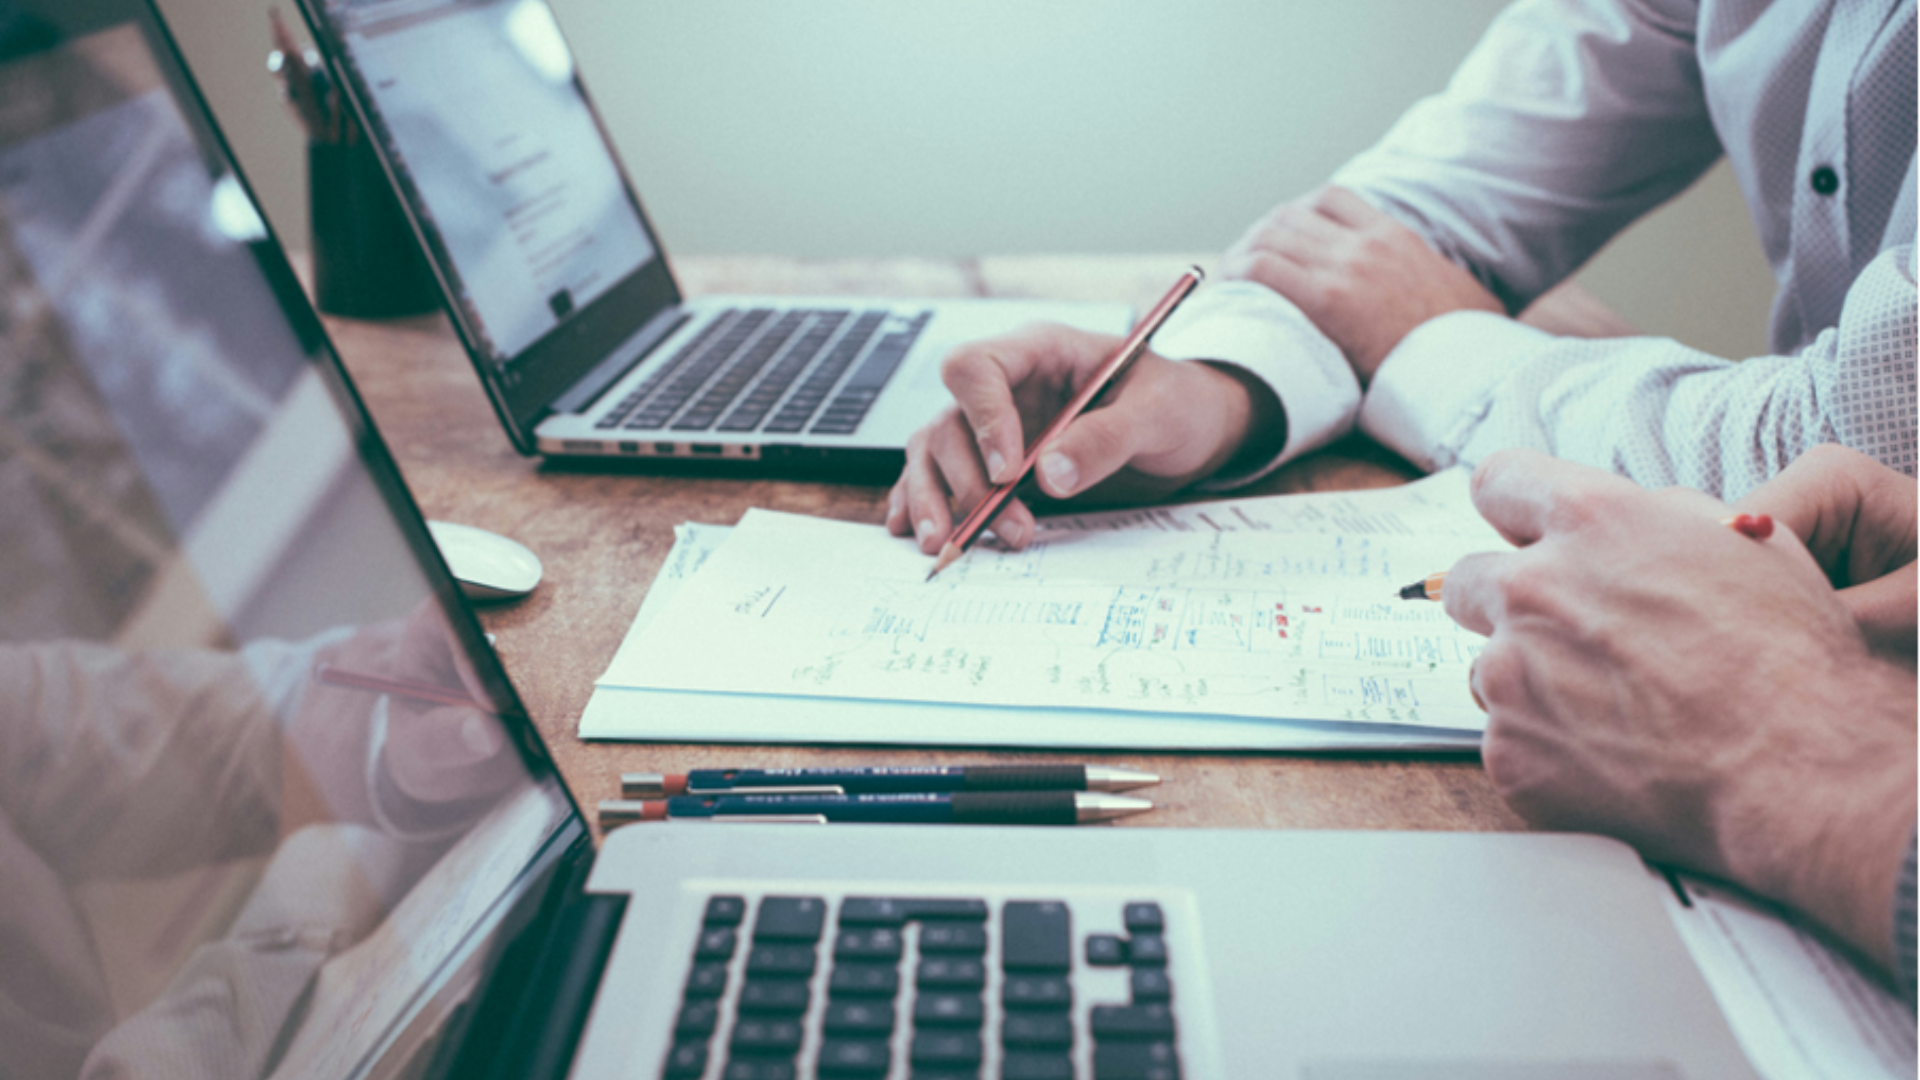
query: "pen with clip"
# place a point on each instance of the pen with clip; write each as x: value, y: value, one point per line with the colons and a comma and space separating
x: 1116, y: 365
x: 884, y: 778
x: 909, y: 808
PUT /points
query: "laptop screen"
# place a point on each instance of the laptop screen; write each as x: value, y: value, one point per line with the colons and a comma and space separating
x: 487, y: 133
x: 263, y: 788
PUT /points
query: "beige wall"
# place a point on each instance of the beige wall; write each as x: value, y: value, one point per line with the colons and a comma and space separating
x: 890, y: 127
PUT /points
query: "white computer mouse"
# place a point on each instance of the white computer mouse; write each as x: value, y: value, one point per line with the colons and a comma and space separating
x: 488, y: 566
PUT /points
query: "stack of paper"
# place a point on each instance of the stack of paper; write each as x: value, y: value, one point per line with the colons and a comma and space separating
x: 1249, y: 623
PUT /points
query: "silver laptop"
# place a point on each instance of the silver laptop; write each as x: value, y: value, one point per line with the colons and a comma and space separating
x: 272, y: 807
x: 561, y: 291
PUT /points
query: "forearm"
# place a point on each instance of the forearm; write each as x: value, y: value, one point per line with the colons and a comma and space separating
x: 1567, y: 121
x: 1825, y: 825
x: 1465, y: 385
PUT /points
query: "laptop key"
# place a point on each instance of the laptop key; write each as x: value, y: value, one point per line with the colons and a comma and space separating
x: 872, y: 911
x: 1037, y: 1030
x: 715, y: 943
x: 707, y: 980
x: 968, y: 939
x: 1135, y: 1061
x: 1153, y: 1021
x: 950, y: 972
x: 697, y: 1018
x: 780, y: 961
x: 877, y: 943
x: 725, y: 911
x: 1106, y: 950
x: 955, y: 910
x: 854, y: 1057
x: 941, y: 1008
x: 1049, y: 992
x: 945, y: 1048
x: 685, y: 1060
x: 864, y: 1017
x: 864, y: 980
x: 1034, y: 1065
x: 1150, y: 984
x: 758, y: 1069
x: 1036, y: 936
x: 756, y: 1036
x: 786, y: 997
x: 790, y: 918
x: 1147, y: 949
x: 1142, y: 917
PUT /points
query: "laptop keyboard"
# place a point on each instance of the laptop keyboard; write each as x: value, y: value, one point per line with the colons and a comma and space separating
x: 925, y: 988
x: 732, y: 374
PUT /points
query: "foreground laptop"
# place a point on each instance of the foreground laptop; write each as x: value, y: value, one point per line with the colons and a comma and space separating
x: 271, y: 807
x: 561, y: 291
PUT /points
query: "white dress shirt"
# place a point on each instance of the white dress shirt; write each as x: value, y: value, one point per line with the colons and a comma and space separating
x: 1569, y: 120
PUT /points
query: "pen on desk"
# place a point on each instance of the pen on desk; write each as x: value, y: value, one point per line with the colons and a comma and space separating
x: 1756, y: 526
x: 407, y: 688
x: 969, y: 530
x: 907, y: 808
x: 884, y: 778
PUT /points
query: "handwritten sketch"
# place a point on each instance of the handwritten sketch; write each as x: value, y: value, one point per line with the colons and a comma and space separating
x: 1279, y: 608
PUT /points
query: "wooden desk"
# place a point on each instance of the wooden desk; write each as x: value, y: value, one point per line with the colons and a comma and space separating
x: 604, y: 535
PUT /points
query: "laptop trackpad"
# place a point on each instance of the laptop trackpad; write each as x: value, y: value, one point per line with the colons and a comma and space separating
x: 1490, y: 1070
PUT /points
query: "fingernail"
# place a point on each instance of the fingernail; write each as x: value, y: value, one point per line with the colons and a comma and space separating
x: 924, y: 529
x: 996, y: 465
x: 1014, y: 533
x: 1061, y: 475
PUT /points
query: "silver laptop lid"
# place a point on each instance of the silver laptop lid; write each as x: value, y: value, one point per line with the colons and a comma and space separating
x: 263, y: 788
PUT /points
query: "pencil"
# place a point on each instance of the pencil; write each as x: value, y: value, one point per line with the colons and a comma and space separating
x: 1756, y: 526
x: 969, y: 530
x: 419, y: 691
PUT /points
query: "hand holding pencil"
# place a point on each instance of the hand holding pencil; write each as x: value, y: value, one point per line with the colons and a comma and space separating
x: 1167, y: 425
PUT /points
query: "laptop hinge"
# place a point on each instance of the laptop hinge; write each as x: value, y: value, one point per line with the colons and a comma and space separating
x: 528, y: 1020
x: 588, y: 388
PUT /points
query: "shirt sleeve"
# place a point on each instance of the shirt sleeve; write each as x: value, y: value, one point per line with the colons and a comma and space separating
x: 1464, y: 385
x: 1565, y: 123
x: 1248, y: 326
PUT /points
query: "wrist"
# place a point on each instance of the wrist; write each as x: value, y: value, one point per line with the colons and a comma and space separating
x: 1254, y: 422
x: 1825, y: 826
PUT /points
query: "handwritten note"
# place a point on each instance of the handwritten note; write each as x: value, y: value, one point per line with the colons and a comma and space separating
x: 1277, y: 608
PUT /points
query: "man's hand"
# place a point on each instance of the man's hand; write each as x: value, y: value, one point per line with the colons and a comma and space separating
x: 1857, y: 517
x: 1165, y: 425
x: 1363, y: 278
x: 1658, y: 677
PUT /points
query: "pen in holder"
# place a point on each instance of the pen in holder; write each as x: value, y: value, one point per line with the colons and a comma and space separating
x: 366, y: 263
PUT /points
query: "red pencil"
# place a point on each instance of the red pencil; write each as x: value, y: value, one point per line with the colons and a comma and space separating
x: 969, y: 530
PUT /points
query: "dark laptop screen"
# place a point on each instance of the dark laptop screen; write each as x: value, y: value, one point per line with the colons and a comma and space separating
x: 488, y: 135
x: 263, y: 788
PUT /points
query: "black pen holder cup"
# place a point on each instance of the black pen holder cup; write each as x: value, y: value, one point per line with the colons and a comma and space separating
x: 366, y: 262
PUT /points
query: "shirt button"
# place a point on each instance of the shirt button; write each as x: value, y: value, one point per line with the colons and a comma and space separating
x: 1824, y: 180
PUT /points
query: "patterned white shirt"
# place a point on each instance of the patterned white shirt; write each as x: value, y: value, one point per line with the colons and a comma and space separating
x: 1570, y: 119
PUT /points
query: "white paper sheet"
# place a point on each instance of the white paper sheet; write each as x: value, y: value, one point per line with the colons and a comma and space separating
x: 1217, y: 625
x: 1801, y: 1009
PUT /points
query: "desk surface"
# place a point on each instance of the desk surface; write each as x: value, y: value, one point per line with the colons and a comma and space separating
x: 603, y: 536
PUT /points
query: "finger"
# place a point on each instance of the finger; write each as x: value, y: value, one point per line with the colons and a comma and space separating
x: 1473, y: 594
x: 898, y: 523
x: 1526, y: 494
x: 1339, y: 205
x: 984, y: 377
x: 1855, y: 515
x: 956, y: 462
x: 927, y: 499
x: 1139, y: 421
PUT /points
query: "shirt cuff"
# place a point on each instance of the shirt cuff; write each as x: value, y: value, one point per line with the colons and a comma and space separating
x: 1251, y: 327
x: 1437, y: 385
